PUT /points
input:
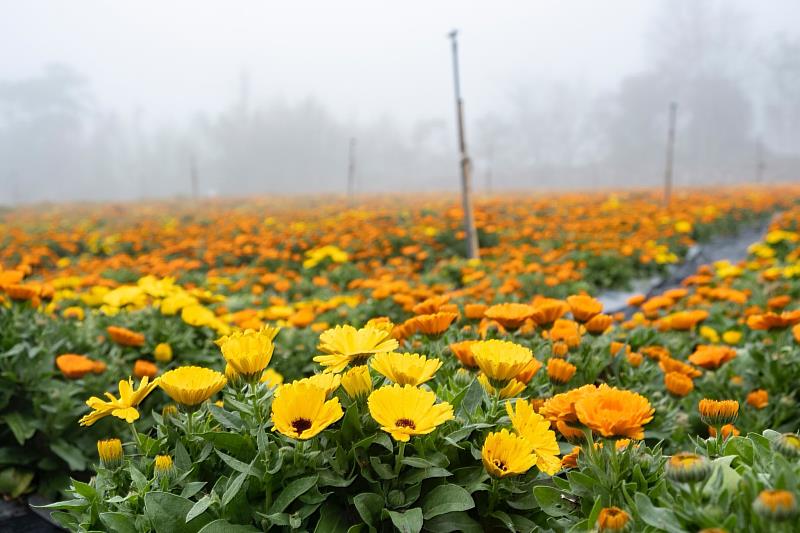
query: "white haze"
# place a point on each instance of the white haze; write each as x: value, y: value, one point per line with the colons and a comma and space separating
x: 114, y: 100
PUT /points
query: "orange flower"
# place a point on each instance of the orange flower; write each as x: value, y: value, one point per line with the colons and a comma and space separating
x: 584, y: 307
x: 560, y: 371
x: 727, y: 431
x: 560, y: 410
x: 779, y: 302
x: 758, y: 398
x: 125, y: 337
x: 462, y: 350
x: 668, y: 364
x: 712, y: 357
x: 560, y: 349
x: 636, y: 300
x: 684, y: 320
x: 22, y: 292
x: 567, y: 331
x: 570, y: 460
x: 74, y: 366
x: 142, y: 368
x: 509, y: 315
x: 548, y: 310
x: 771, y: 320
x: 598, y: 324
x: 635, y: 359
x: 718, y: 412
x: 434, y: 324
x: 613, y: 412
x: 678, y: 384
x: 475, y: 311
x: 527, y: 373
x: 612, y: 519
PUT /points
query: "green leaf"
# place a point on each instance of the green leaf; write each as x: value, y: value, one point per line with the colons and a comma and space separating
x: 445, y: 499
x: 291, y: 492
x: 72, y: 455
x: 369, y: 506
x: 408, y: 521
x: 449, y: 522
x: 418, y: 475
x: 118, y: 522
x: 198, y: 508
x: 551, y: 502
x: 233, y: 488
x: 233, y: 443
x: 192, y: 488
x: 167, y: 513
x: 223, y: 526
x: 472, y: 399
x: 15, y: 481
x: 228, y: 419
x: 331, y: 520
x: 83, y: 489
x: 22, y: 427
x: 658, y: 517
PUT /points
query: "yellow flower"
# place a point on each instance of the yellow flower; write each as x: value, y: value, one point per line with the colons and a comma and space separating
x: 346, y: 345
x: 249, y: 352
x: 501, y: 360
x: 110, y: 452
x: 272, y: 378
x: 327, y: 382
x: 535, y: 429
x: 403, y: 411
x: 505, y: 454
x: 317, y: 255
x: 357, y: 381
x: 124, y: 407
x: 405, y: 368
x: 192, y: 385
x: 511, y: 389
x: 709, y: 333
x: 300, y: 410
x: 732, y: 337
x: 163, y: 466
x: 163, y: 353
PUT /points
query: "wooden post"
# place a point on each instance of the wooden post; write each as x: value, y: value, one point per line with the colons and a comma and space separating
x: 466, y: 166
x: 351, y: 172
x: 673, y: 112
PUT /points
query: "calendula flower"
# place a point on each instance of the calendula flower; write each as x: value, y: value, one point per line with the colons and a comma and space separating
x: 501, y: 360
x: 718, y: 413
x: 110, y: 452
x: 612, y: 519
x: 771, y: 320
x: 613, y: 412
x: 346, y: 345
x: 536, y: 430
x: 271, y: 377
x: 142, y: 368
x: 327, y: 382
x: 505, y: 454
x: 357, y: 381
x: 123, y: 407
x: 404, y: 411
x: 434, y: 324
x: 511, y: 388
x: 405, y: 368
x: 192, y: 385
x: 163, y: 352
x: 547, y: 310
x: 598, y: 324
x: 788, y: 444
x: 463, y: 351
x: 584, y: 308
x: 163, y: 466
x: 74, y: 366
x: 560, y: 410
x: 125, y: 337
x: 249, y: 352
x: 776, y: 505
x: 686, y: 467
x: 712, y: 357
x: 677, y: 384
x: 728, y: 430
x: 510, y: 315
x: 560, y: 371
x: 301, y: 410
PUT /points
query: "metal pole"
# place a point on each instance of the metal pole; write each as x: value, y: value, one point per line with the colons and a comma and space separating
x: 466, y: 166
x: 351, y: 172
x: 673, y: 112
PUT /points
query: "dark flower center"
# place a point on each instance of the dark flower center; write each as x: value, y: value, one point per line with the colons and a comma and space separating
x: 405, y: 423
x: 500, y: 465
x: 360, y: 359
x: 301, y: 424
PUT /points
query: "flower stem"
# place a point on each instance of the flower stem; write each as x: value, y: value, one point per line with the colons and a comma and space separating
x: 401, y: 452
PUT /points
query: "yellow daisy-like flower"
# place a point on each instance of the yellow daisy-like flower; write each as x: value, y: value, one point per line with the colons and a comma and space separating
x: 501, y: 360
x: 249, y: 352
x: 271, y: 377
x: 300, y: 410
x: 346, y: 345
x: 404, y: 410
x: 535, y: 429
x: 505, y: 454
x: 405, y: 368
x: 327, y: 382
x: 192, y: 385
x: 511, y: 389
x: 124, y: 407
x: 357, y: 381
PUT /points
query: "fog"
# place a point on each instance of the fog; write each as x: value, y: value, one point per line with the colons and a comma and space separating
x: 128, y: 100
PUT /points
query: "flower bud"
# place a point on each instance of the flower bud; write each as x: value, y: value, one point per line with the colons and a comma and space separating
x: 789, y: 445
x: 775, y: 505
x: 686, y: 467
x: 718, y: 413
x: 163, y: 466
x: 110, y: 452
x: 612, y: 519
x: 163, y: 353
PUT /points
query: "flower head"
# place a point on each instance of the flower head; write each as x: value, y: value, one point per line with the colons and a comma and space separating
x: 346, y: 345
x: 505, y: 454
x: 404, y: 411
x: 560, y: 371
x: 584, y: 308
x: 678, y: 384
x: 249, y: 352
x: 686, y: 467
x: 301, y: 411
x: 712, y: 357
x: 357, y: 381
x: 125, y: 337
x: 271, y: 377
x: 718, y: 413
x: 536, y: 430
x: 501, y: 360
x: 434, y: 324
x: 776, y: 505
x: 123, y: 407
x: 163, y: 466
x: 192, y: 385
x: 612, y: 519
x: 510, y: 315
x: 110, y: 452
x: 327, y: 382
x: 613, y: 412
x: 163, y: 352
x: 463, y: 351
x: 405, y: 368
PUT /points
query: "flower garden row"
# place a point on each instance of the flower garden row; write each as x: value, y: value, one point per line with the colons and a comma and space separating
x: 437, y: 410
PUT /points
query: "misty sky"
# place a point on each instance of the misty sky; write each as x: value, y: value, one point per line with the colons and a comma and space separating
x: 359, y: 58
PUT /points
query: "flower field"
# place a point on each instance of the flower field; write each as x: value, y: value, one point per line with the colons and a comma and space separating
x: 245, y: 365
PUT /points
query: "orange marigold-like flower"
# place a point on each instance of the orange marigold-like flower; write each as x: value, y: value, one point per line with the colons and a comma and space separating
x: 475, y: 311
x: 712, y: 357
x: 510, y: 315
x: 779, y: 302
x: 22, y: 292
x: 434, y: 324
x: 613, y: 412
x: 718, y: 412
x: 462, y: 350
x: 560, y: 410
x: 584, y: 307
x: 678, y: 384
x: 142, y: 368
x: 684, y: 320
x: 612, y: 519
x: 559, y: 371
x: 772, y: 320
x: 125, y: 337
x: 528, y: 372
x: 598, y: 324
x: 668, y: 364
x: 758, y: 398
x: 567, y: 331
x: 74, y: 366
x: 548, y: 310
x: 728, y: 430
